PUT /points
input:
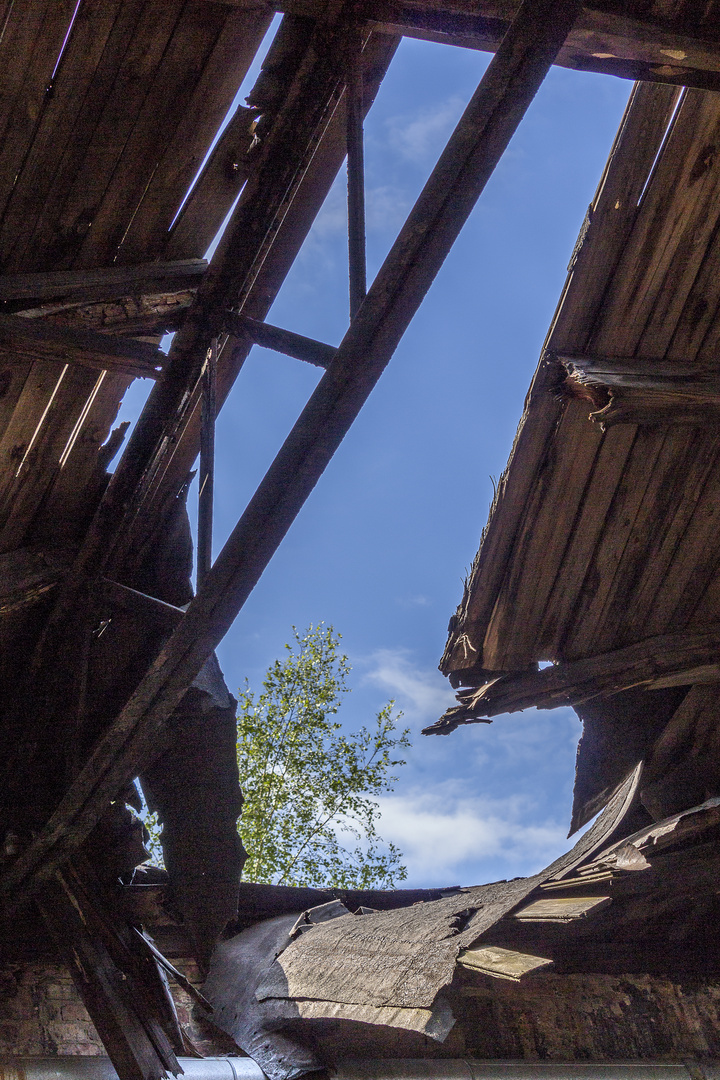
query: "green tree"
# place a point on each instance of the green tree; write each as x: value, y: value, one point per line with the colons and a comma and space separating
x: 307, y: 784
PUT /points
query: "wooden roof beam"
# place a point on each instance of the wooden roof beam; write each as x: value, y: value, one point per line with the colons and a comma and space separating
x: 477, y: 144
x: 24, y: 339
x: 283, y: 341
x: 667, y: 660
x: 629, y: 48
x: 646, y: 391
x: 105, y: 283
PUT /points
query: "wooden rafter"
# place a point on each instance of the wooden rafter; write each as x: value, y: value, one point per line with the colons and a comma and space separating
x: 105, y: 283
x: 36, y: 339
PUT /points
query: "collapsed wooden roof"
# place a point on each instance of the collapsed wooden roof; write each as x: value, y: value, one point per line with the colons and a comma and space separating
x: 600, y: 554
x: 107, y: 109
x: 303, y: 990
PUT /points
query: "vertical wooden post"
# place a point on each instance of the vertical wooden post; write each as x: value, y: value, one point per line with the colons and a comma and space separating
x: 207, y: 466
x: 355, y: 174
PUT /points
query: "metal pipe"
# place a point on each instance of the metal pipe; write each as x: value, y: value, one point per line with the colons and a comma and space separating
x: 66, y: 1067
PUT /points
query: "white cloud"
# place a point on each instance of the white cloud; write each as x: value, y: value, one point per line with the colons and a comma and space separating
x: 445, y: 835
x: 414, y: 601
x: 422, y: 138
x: 422, y: 694
x: 386, y: 208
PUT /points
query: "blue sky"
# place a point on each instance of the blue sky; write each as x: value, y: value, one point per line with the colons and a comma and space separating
x: 381, y: 547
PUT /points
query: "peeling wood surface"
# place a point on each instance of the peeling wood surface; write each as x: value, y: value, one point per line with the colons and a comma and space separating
x: 629, y: 555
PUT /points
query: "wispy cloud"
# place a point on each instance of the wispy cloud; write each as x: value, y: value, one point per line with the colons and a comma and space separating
x: 446, y: 835
x: 414, y: 601
x: 422, y: 694
x: 421, y: 137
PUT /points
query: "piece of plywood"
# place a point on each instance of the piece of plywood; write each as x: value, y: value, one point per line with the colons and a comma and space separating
x: 562, y: 908
x: 502, y: 963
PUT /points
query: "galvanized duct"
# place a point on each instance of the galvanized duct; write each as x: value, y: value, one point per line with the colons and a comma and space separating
x: 244, y: 1068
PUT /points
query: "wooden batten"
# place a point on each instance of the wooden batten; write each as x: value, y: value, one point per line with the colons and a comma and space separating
x: 635, y: 48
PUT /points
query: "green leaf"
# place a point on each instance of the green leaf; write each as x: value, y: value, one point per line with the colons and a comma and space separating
x: 307, y: 785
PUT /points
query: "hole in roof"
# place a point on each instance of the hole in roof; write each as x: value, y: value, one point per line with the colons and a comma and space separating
x: 265, y: 402
x: 65, y: 39
x: 243, y: 90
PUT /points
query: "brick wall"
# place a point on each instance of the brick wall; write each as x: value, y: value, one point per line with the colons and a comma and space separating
x: 41, y: 1013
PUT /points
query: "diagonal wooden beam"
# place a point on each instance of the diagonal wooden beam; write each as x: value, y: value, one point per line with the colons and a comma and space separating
x: 496, y: 109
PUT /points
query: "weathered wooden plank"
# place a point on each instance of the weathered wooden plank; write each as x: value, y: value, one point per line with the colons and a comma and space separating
x: 659, y: 488
x: 240, y: 34
x: 667, y: 660
x: 216, y: 189
x: 27, y: 484
x: 115, y: 101
x: 13, y: 377
x: 29, y: 52
x: 583, y: 541
x: 678, y: 506
x: 562, y: 908
x: 676, y: 219
x: 39, y: 386
x: 511, y: 640
x: 102, y: 283
x: 501, y: 963
x: 67, y: 510
x: 188, y: 51
x: 37, y: 339
x: 62, y: 115
x: 693, y: 564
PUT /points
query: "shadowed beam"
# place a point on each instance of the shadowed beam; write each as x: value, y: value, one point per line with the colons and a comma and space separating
x: 497, y: 107
x: 105, y: 283
x: 36, y: 339
x: 279, y: 340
